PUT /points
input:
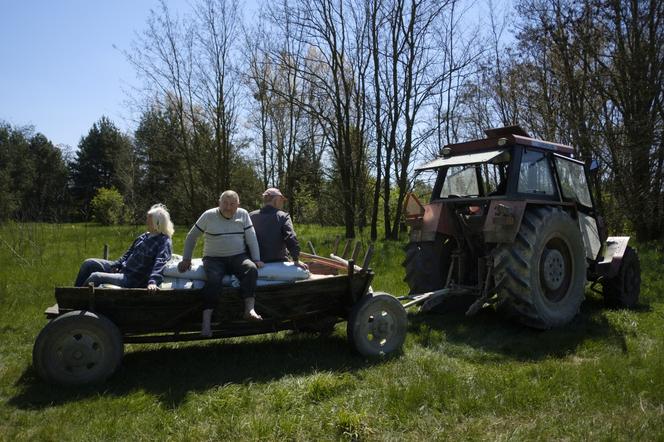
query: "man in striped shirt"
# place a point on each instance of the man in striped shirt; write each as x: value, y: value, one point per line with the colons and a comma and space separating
x: 228, y: 232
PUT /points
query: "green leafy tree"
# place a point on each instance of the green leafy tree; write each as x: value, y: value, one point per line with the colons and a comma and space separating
x: 108, y: 206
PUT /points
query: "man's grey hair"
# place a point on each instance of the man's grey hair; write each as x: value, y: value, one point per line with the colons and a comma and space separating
x: 229, y: 194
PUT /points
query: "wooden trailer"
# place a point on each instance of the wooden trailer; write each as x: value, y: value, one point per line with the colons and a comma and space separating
x: 84, y: 341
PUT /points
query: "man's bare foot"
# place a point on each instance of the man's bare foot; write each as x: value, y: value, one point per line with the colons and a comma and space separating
x: 251, y: 315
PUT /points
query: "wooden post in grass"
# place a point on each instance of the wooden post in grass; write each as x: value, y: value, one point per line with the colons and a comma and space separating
x: 336, y: 245
x: 346, y: 249
x: 356, y: 250
x: 368, y: 256
x: 105, y: 251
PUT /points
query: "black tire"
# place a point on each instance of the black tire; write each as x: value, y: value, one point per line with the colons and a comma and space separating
x: 377, y: 325
x: 541, y: 277
x: 78, y: 348
x: 622, y: 291
x: 427, y: 264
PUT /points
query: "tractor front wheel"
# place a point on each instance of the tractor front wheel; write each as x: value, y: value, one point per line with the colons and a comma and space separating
x: 622, y: 291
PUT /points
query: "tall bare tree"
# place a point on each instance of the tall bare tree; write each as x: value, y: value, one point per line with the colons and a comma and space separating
x: 163, y: 55
x: 187, y: 64
x: 217, y: 31
x: 329, y: 71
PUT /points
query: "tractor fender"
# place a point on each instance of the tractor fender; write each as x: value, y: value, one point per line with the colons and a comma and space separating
x: 503, y: 220
x: 437, y: 218
x: 612, y: 256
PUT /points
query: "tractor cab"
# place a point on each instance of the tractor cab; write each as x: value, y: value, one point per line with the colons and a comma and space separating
x: 484, y: 186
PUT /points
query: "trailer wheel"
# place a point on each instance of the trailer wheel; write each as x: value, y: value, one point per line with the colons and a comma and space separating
x: 377, y: 325
x: 622, y: 291
x: 78, y: 348
x: 541, y: 276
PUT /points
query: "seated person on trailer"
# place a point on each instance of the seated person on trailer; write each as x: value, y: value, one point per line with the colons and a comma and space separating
x: 142, y: 265
x: 227, y: 231
x: 274, y: 229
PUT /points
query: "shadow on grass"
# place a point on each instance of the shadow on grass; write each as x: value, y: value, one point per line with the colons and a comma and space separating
x: 171, y: 372
x: 499, y: 338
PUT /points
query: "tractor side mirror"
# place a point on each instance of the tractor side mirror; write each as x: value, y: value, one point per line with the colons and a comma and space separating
x: 593, y: 166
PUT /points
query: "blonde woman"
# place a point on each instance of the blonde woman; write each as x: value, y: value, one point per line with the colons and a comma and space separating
x: 142, y: 265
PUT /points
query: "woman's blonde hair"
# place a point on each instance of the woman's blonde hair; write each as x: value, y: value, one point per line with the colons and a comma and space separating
x: 161, y: 219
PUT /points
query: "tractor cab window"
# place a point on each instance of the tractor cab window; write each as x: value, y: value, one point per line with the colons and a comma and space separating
x: 460, y: 181
x: 573, y: 181
x: 535, y: 174
x: 494, y: 178
x: 473, y: 180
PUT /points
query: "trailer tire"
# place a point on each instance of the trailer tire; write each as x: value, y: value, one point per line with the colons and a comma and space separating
x: 541, y: 276
x: 78, y: 348
x: 377, y: 325
x: 622, y: 291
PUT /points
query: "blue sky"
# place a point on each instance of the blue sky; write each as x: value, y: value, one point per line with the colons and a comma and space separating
x: 59, y: 70
x: 61, y: 62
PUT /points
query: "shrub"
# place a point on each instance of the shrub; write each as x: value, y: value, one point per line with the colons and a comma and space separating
x: 108, y: 206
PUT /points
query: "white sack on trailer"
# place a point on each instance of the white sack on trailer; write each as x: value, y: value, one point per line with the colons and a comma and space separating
x: 278, y: 271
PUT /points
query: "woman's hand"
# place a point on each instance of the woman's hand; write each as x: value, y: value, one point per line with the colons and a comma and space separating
x: 152, y: 287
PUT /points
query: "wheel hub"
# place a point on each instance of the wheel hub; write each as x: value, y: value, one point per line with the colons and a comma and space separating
x: 79, y: 352
x: 382, y: 325
x: 553, y: 269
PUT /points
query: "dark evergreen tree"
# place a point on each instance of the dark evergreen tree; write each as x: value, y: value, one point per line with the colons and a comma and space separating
x: 33, y: 177
x: 159, y: 164
x: 16, y: 171
x: 104, y: 159
x: 48, y: 196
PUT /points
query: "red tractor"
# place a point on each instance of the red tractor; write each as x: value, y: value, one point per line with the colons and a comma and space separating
x: 512, y: 222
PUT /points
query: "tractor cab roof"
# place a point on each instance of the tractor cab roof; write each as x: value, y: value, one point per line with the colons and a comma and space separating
x: 496, y: 140
x: 488, y: 156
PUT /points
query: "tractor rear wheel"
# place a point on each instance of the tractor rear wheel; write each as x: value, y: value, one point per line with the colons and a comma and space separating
x: 541, y: 276
x: 622, y: 291
x: 427, y: 264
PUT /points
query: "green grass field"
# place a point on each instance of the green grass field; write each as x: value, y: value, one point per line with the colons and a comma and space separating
x: 458, y: 378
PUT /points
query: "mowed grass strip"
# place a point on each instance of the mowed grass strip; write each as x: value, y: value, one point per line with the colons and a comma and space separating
x: 458, y: 378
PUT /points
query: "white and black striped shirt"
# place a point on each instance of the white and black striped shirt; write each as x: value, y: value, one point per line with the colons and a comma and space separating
x: 223, y: 236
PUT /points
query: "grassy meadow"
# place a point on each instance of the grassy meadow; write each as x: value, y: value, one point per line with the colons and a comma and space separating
x: 458, y: 378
